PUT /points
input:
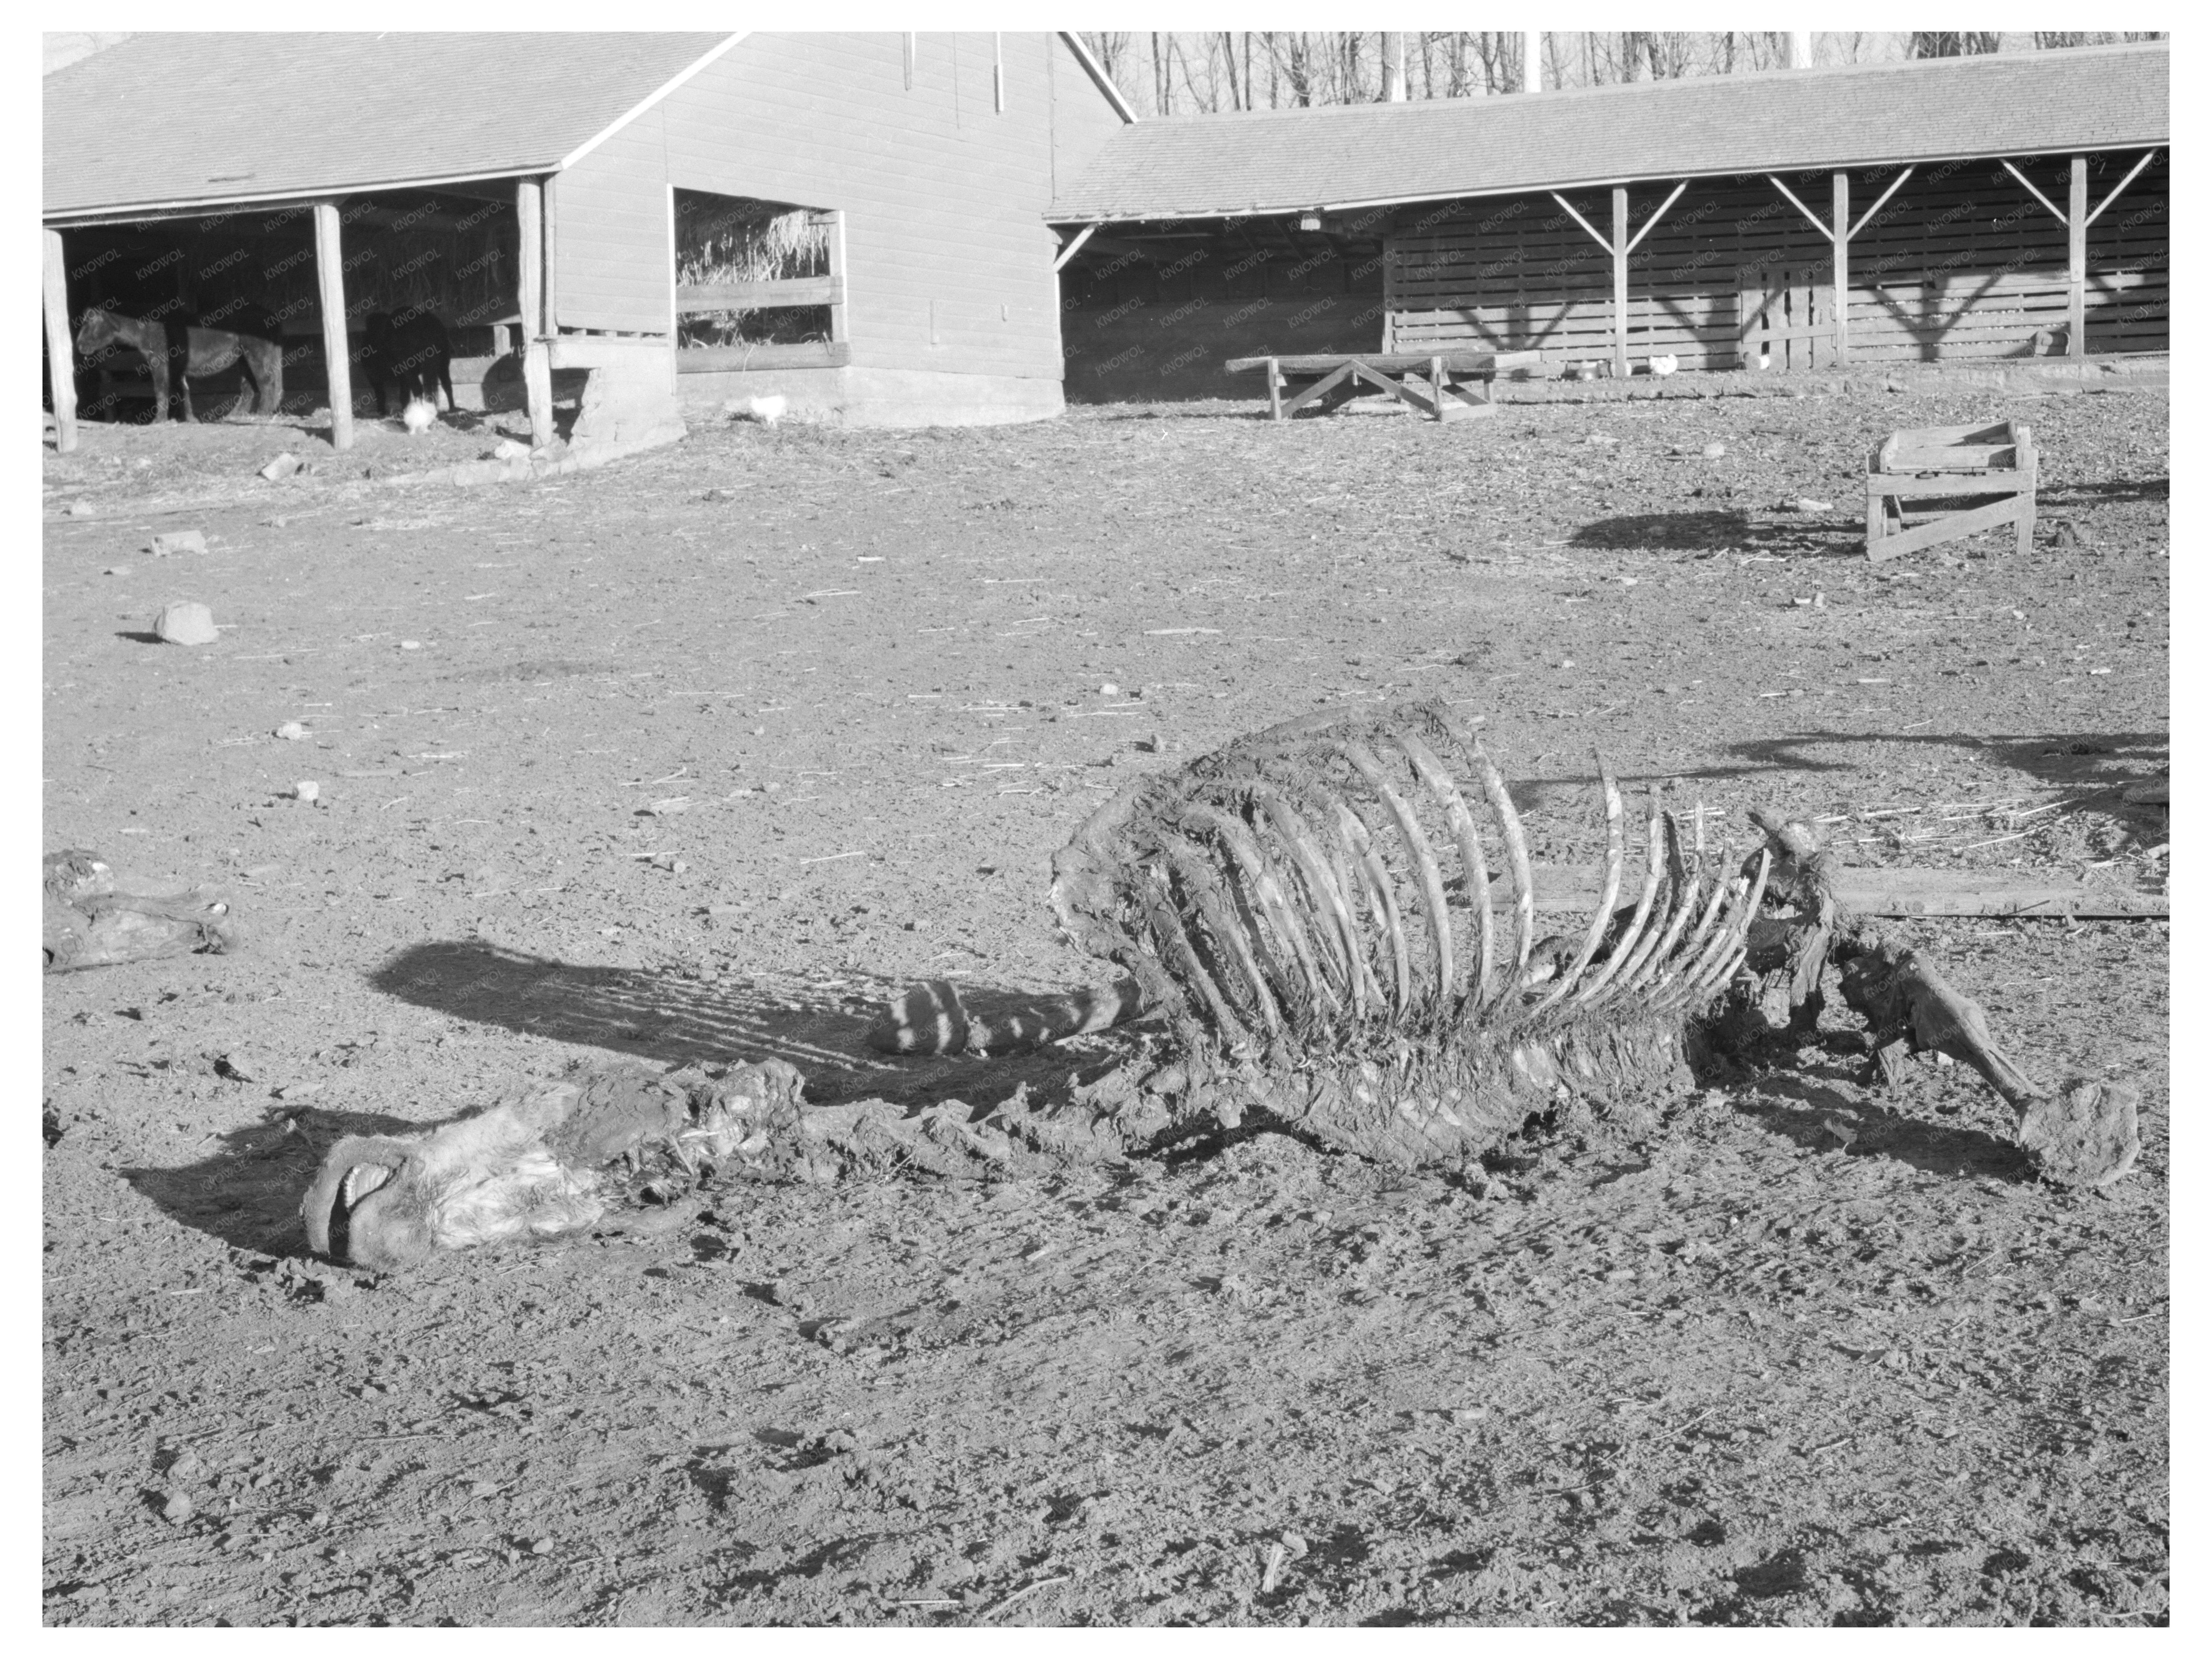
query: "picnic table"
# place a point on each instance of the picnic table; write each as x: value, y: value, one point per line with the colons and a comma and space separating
x: 1936, y: 483
x: 1434, y: 383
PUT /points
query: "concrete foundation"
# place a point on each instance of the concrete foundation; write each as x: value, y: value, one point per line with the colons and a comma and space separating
x: 857, y: 396
x: 628, y: 397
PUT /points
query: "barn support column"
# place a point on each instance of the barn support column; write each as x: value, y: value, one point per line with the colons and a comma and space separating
x: 2077, y: 219
x: 1839, y: 307
x: 2077, y: 258
x: 537, y: 353
x: 1532, y: 60
x: 330, y: 277
x: 1620, y: 281
x: 61, y: 360
x: 1838, y: 229
x: 1619, y: 246
x: 2080, y: 345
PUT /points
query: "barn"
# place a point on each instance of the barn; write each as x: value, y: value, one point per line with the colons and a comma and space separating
x: 1995, y: 206
x: 633, y: 223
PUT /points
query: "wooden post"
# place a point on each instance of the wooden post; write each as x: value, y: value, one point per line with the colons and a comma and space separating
x: 1840, y: 322
x: 1620, y: 281
x: 1390, y: 252
x: 1274, y: 389
x: 330, y: 277
x: 2077, y: 260
x: 537, y: 353
x: 1801, y: 49
x: 60, y: 357
x: 1532, y: 61
x: 840, y: 324
x: 1877, y: 504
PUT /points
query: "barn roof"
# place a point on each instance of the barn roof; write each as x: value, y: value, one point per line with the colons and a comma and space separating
x: 1285, y: 160
x: 168, y: 121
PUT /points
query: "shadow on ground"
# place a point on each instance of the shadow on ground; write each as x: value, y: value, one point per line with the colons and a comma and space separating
x: 2099, y: 765
x: 246, y: 1191
x: 2059, y: 759
x: 658, y: 1014
x: 1731, y: 529
x: 1801, y: 1109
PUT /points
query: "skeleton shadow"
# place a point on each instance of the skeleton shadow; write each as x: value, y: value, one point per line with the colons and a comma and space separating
x: 1798, y: 1108
x: 659, y: 1014
x: 245, y: 1191
x: 2100, y: 764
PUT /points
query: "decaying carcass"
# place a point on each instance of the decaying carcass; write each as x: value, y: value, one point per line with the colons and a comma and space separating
x: 544, y: 1164
x: 1335, y: 947
x: 94, y: 918
x: 2083, y: 1134
x: 1316, y: 911
x: 1333, y: 943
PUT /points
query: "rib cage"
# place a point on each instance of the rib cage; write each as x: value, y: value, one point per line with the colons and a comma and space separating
x: 1325, y: 890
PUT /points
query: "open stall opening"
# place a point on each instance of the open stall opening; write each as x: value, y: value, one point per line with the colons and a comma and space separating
x: 252, y: 271
x: 758, y: 283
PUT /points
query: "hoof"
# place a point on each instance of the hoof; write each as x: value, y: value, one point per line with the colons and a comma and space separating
x: 2084, y: 1136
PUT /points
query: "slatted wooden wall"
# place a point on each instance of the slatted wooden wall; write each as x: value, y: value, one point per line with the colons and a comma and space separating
x: 1962, y: 262
x: 2130, y: 256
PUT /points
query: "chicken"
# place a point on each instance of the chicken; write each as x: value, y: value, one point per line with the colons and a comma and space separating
x: 1666, y: 364
x: 420, y: 415
x: 766, y: 410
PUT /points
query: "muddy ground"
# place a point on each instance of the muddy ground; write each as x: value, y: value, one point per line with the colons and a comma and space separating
x: 694, y: 756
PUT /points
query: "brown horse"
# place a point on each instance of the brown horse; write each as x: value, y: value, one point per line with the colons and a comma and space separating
x: 175, y: 352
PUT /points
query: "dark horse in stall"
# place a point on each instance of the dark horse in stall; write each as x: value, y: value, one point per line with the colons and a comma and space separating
x: 413, y: 351
x: 176, y: 353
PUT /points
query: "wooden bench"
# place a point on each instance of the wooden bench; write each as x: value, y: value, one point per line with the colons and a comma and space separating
x: 1936, y: 483
x: 1431, y: 382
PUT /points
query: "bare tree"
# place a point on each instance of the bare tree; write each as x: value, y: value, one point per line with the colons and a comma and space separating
x: 1205, y: 72
x: 1951, y: 43
x: 2056, y: 39
x: 1111, y: 49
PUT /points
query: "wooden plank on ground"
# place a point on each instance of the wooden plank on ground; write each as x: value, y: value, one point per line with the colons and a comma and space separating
x: 1569, y: 889
x: 1950, y: 527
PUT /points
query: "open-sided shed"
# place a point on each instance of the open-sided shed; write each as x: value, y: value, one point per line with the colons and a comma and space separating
x: 855, y: 220
x: 2003, y: 205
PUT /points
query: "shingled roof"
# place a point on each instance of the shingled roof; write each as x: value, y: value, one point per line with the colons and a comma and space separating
x: 169, y: 121
x: 1932, y: 109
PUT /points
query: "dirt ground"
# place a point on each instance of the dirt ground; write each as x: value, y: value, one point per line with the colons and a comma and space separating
x: 695, y: 757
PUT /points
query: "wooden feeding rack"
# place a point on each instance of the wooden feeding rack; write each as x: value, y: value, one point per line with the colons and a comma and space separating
x: 1936, y: 483
x: 1435, y: 383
